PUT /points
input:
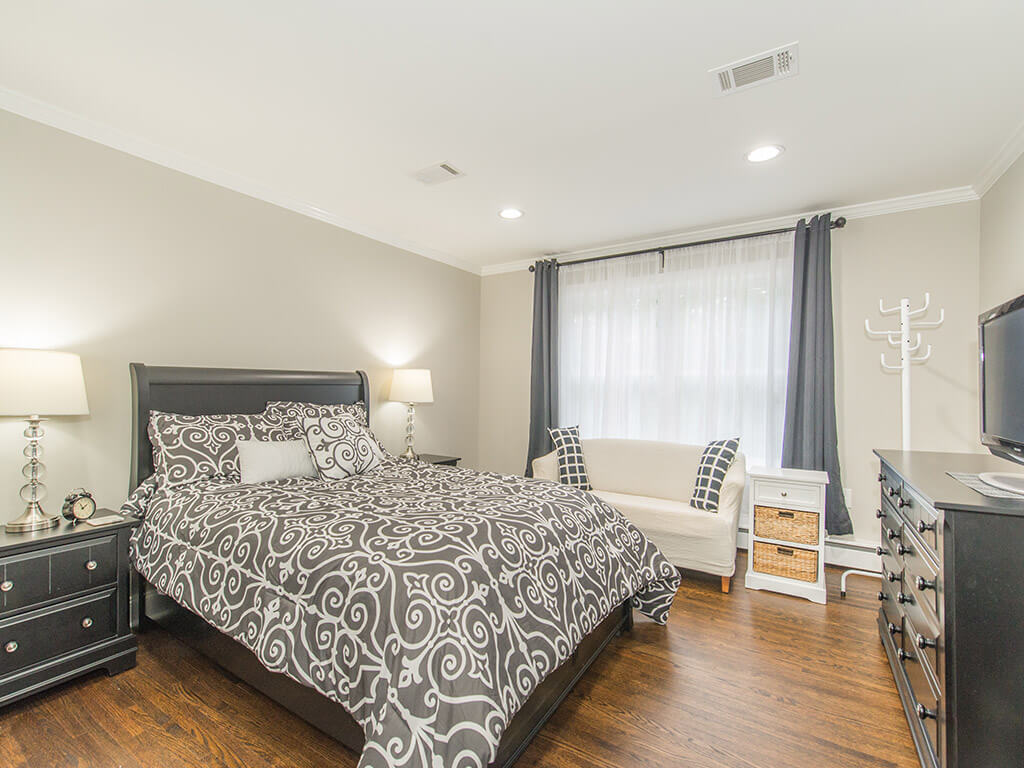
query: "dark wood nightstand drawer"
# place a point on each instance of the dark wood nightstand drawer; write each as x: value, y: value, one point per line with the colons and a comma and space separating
x: 48, y: 632
x: 36, y: 577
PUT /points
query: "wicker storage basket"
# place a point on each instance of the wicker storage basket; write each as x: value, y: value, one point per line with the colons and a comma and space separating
x: 786, y: 525
x: 788, y: 562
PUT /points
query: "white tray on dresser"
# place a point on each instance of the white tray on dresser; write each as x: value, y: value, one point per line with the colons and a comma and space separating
x: 791, y: 524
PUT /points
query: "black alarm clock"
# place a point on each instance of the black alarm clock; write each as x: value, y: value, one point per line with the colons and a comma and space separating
x: 78, y: 505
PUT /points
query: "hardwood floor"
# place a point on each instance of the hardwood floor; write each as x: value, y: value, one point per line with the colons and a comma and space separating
x: 741, y: 680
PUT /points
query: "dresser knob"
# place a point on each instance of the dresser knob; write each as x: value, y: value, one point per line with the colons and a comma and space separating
x: 784, y: 494
x: 11, y: 647
x: 923, y: 642
x: 90, y: 565
x: 891, y: 534
x: 879, y: 514
x: 922, y: 526
x: 893, y: 629
x: 901, y: 549
x: 922, y: 583
x: 882, y: 597
x: 892, y: 577
x: 881, y: 477
x: 6, y: 586
x: 86, y: 622
x: 879, y: 551
x: 924, y: 713
x: 891, y: 491
x: 901, y: 502
x: 904, y: 655
x: 902, y: 598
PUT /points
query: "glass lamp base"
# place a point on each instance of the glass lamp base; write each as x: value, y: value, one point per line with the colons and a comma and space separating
x: 32, y: 519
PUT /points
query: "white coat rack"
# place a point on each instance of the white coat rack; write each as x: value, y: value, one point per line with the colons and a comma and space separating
x: 909, y: 344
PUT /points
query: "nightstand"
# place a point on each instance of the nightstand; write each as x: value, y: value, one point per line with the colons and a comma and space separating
x: 787, y: 532
x: 63, y: 605
x: 446, y: 461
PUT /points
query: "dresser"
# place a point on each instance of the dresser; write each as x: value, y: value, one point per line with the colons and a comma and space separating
x: 951, y: 615
x: 63, y: 605
x: 787, y: 532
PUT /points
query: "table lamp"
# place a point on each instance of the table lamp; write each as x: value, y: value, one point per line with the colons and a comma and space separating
x: 35, y: 383
x: 411, y: 386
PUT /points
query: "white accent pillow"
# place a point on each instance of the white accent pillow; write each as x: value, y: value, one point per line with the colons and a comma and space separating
x: 263, y: 460
x: 340, y: 446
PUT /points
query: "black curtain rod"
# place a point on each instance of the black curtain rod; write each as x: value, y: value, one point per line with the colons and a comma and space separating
x: 839, y: 223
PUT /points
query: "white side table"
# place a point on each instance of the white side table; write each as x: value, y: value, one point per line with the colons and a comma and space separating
x: 787, y: 532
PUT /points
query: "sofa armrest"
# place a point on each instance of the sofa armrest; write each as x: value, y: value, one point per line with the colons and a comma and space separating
x: 546, y: 467
x: 731, y: 499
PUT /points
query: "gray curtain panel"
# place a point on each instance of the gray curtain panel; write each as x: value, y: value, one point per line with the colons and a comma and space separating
x: 544, y: 361
x: 809, y: 440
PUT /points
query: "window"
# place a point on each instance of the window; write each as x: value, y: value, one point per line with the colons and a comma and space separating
x: 693, y: 350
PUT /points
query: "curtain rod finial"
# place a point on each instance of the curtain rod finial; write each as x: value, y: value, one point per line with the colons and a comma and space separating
x: 840, y: 222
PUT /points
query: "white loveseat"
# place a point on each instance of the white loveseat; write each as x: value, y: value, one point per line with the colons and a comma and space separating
x: 651, y: 484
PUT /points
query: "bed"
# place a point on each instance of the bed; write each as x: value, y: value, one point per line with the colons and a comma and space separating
x: 185, y: 530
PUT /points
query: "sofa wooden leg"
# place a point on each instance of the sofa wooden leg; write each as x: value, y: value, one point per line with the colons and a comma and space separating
x: 726, y: 583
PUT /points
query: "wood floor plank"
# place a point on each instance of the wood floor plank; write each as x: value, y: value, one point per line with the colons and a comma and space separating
x: 740, y: 680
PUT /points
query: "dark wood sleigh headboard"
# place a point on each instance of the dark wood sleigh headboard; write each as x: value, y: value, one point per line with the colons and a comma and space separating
x: 197, y: 391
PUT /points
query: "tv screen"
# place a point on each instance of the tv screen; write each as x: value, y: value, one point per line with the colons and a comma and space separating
x: 1002, y: 376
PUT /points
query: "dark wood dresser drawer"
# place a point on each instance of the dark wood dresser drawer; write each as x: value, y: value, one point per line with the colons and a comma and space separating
x: 48, y: 632
x: 54, y: 572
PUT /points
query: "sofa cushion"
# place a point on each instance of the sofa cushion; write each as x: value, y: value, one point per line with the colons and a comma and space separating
x: 643, y: 467
x: 688, y: 537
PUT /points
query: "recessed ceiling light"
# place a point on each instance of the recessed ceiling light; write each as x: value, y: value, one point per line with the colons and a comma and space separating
x: 761, y: 154
x: 510, y: 213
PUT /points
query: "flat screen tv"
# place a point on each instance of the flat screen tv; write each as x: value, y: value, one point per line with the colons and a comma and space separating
x: 1001, y: 346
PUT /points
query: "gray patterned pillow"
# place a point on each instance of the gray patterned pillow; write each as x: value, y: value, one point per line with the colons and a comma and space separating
x: 283, y: 409
x: 187, y: 449
x: 340, y: 446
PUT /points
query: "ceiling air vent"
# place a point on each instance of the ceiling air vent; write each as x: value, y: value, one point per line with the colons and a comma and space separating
x: 757, y: 70
x: 436, y: 174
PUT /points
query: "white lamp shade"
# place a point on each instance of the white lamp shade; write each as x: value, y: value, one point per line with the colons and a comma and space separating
x: 412, y: 385
x: 36, y: 382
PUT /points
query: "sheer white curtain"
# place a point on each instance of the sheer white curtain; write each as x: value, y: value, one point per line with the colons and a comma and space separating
x: 693, y: 352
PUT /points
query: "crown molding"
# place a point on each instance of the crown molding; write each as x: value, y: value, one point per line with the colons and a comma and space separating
x: 1000, y: 164
x: 69, y: 122
x: 857, y: 211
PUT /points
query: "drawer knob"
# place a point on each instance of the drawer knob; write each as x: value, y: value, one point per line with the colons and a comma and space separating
x: 892, y: 577
x: 922, y: 526
x: 924, y: 713
x: 902, y: 549
x: 86, y: 622
x: 922, y: 583
x: 90, y: 565
x: 891, y: 533
x: 6, y: 586
x: 879, y: 514
x: 901, y: 502
x: 902, y: 598
x: 890, y: 491
x: 923, y: 642
x: 879, y: 551
x: 881, y: 477
x: 783, y: 493
x: 904, y: 656
x: 11, y: 647
x: 893, y: 629
x: 882, y: 597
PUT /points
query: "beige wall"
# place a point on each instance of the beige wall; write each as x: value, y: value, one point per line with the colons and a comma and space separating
x: 1002, y: 239
x: 934, y: 249
x: 121, y: 260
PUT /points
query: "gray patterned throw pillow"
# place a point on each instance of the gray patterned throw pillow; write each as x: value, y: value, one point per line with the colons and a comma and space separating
x: 340, y: 446
x: 187, y: 448
x: 714, y: 463
x: 296, y: 412
x: 571, y: 468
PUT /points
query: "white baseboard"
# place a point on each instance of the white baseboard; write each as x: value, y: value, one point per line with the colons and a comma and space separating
x: 841, y: 551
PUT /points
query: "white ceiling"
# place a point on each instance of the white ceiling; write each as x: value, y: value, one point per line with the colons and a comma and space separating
x: 597, y: 118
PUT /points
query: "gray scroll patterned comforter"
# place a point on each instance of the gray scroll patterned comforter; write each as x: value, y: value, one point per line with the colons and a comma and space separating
x: 430, y: 602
